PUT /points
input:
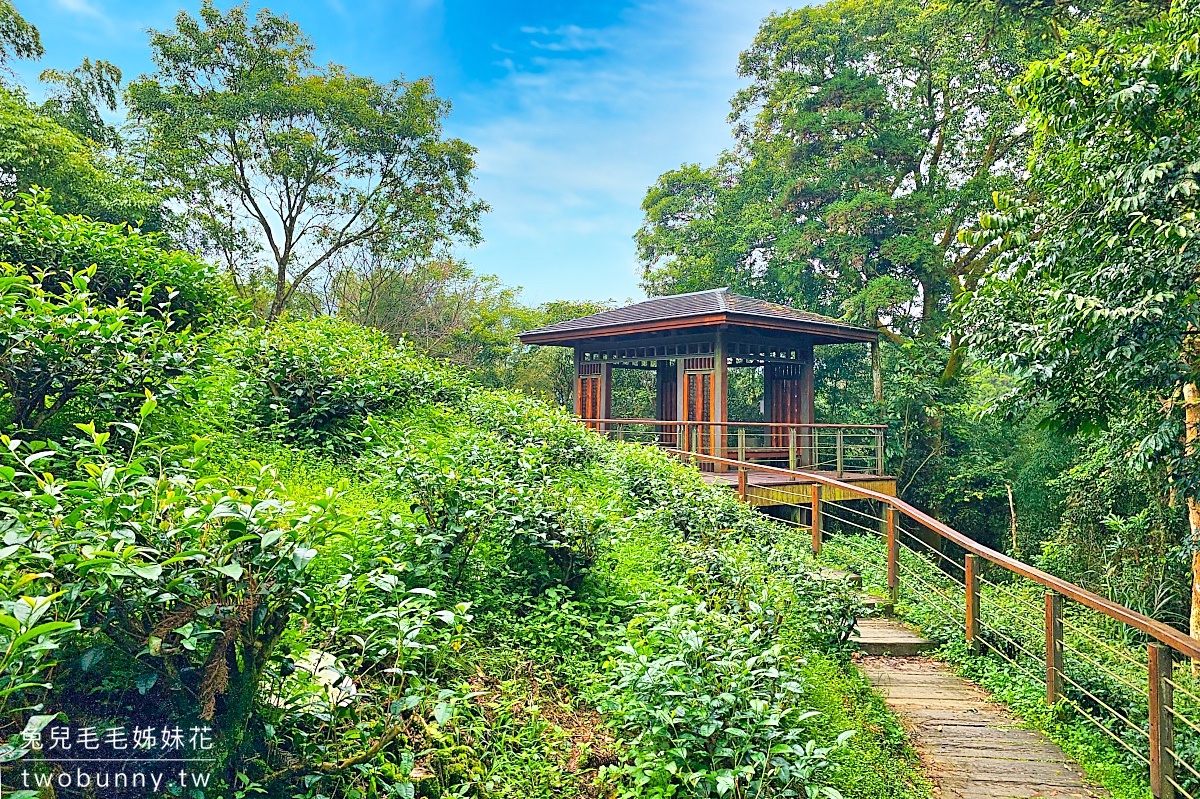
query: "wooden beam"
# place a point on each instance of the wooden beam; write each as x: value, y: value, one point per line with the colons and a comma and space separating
x: 720, y: 401
x: 1054, y: 650
x: 1162, y: 724
x: 972, y: 595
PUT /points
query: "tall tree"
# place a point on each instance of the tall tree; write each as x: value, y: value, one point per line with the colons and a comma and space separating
x: 77, y: 99
x: 870, y: 134
x: 1097, y: 301
x: 18, y: 38
x: 267, y: 153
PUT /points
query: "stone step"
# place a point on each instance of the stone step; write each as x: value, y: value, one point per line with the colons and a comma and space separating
x: 877, y: 605
x: 888, y: 637
x: 838, y: 574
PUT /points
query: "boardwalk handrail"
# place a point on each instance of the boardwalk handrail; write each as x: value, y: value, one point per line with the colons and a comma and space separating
x: 839, y: 448
x: 1164, y: 633
x: 1093, y: 683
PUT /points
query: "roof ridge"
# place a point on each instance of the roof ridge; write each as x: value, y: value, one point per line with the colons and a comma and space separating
x: 718, y: 302
x: 685, y: 294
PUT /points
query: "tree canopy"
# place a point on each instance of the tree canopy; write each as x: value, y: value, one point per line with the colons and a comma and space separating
x: 280, y: 166
x: 870, y: 135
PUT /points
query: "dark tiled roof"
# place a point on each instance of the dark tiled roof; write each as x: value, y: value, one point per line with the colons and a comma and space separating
x: 683, y: 306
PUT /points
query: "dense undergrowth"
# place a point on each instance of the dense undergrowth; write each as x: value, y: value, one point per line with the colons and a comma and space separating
x: 370, y: 578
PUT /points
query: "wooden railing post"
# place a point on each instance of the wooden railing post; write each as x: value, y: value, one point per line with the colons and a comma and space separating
x: 971, y: 582
x: 840, y: 453
x: 792, y: 448
x: 695, y: 442
x: 742, y: 484
x: 893, y: 556
x: 879, y: 452
x: 1162, y: 726
x: 741, y: 439
x: 816, y: 519
x: 1054, y: 650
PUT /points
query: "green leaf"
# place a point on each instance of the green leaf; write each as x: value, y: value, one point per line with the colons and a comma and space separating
x: 92, y: 657
x: 302, y: 556
x: 232, y: 570
x: 145, y: 682
x: 151, y: 572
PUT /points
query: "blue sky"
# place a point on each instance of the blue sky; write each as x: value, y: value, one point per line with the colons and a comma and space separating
x: 575, y: 107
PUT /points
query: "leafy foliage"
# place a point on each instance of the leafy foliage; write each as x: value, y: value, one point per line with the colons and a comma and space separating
x: 272, y: 155
x: 731, y: 724
x: 78, y: 97
x: 93, y: 314
x: 39, y: 152
x: 309, y: 381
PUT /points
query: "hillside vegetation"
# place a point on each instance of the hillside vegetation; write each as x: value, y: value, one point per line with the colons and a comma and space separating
x: 371, y: 577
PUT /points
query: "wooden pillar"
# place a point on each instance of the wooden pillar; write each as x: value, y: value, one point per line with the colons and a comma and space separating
x: 893, y: 556
x: 807, y: 413
x: 971, y: 582
x: 1054, y: 650
x: 606, y: 371
x: 1162, y: 725
x: 769, y: 393
x: 666, y: 401
x: 720, y: 409
x: 575, y: 387
x: 816, y: 519
x: 681, y: 392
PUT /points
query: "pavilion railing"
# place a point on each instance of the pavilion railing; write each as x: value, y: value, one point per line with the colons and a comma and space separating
x: 1107, y: 665
x: 838, y: 448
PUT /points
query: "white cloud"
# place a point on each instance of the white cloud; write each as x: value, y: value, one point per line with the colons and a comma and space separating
x: 82, y: 7
x: 569, y: 38
x: 569, y: 143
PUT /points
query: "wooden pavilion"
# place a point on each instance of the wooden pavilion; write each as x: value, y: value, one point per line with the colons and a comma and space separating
x: 690, y: 341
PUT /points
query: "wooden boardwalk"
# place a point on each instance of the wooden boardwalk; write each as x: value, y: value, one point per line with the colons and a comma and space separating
x: 972, y: 748
x: 767, y: 488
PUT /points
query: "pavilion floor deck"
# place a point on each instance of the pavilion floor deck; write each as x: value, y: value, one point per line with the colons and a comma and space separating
x: 765, y: 488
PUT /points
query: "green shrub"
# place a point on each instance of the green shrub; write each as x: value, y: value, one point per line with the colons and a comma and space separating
x: 535, y: 432
x: 94, y: 316
x: 715, y: 707
x: 182, y: 584
x: 65, y: 346
x: 311, y: 381
x: 128, y: 266
x: 549, y: 541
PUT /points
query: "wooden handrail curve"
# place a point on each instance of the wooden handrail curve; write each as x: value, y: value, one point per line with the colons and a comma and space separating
x: 1163, y: 633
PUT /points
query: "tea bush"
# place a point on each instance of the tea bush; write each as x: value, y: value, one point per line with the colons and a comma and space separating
x: 92, y: 316
x: 312, y: 382
x: 51, y: 248
x: 438, y: 591
x: 716, y: 708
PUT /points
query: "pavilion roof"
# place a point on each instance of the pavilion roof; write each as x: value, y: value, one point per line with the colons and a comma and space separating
x: 678, y: 312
